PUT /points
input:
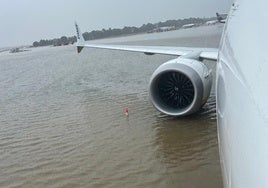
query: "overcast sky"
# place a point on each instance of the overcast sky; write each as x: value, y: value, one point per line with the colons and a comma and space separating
x: 26, y: 21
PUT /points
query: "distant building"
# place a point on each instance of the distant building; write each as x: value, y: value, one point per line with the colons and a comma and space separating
x: 16, y: 50
x: 60, y: 43
x: 188, y: 26
x: 162, y: 29
x: 212, y: 22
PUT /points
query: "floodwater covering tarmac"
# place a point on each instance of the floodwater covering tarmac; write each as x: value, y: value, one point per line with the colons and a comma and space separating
x: 62, y: 121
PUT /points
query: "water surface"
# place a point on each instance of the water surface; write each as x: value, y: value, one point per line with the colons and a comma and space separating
x: 62, y: 122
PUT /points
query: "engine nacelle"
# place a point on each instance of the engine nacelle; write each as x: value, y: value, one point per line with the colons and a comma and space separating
x: 180, y: 86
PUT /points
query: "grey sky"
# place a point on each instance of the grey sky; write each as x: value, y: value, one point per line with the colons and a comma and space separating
x: 24, y: 21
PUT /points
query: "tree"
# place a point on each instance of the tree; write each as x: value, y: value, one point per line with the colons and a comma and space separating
x: 104, y: 33
x: 35, y: 44
x: 64, y: 39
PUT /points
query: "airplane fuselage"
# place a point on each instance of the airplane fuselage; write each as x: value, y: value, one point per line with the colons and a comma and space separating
x: 242, y: 89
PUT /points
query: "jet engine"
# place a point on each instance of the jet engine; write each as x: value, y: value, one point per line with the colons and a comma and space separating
x: 180, y: 86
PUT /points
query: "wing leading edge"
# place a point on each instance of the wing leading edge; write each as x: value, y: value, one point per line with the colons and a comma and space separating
x: 203, y: 53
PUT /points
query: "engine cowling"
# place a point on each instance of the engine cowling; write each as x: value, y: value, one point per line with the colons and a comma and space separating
x: 180, y: 86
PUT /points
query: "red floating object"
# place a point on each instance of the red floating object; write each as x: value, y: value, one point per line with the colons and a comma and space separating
x: 126, y: 111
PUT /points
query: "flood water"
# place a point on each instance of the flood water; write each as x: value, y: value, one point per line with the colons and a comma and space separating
x: 62, y: 121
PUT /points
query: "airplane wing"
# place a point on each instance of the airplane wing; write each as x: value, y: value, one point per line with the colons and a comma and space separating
x: 200, y: 53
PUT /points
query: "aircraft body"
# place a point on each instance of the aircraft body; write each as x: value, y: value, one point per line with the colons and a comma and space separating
x: 221, y: 17
x: 181, y: 86
x: 242, y: 96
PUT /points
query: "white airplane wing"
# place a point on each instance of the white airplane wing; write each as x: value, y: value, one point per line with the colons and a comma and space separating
x: 201, y: 53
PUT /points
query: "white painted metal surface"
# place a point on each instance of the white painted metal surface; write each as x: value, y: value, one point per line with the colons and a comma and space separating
x: 242, y: 96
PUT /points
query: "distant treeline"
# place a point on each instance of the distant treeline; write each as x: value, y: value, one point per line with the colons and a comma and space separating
x: 56, y: 42
x: 105, y: 33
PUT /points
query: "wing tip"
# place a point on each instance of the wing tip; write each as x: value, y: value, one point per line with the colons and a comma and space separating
x: 79, y: 35
x: 80, y: 38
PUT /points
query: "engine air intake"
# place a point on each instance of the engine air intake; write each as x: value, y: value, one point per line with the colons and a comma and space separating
x: 175, y: 90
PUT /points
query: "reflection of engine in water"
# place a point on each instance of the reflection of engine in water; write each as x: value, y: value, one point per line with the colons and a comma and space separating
x: 180, y: 86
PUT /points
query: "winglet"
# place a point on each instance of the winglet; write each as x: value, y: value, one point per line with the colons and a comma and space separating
x: 80, y: 39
